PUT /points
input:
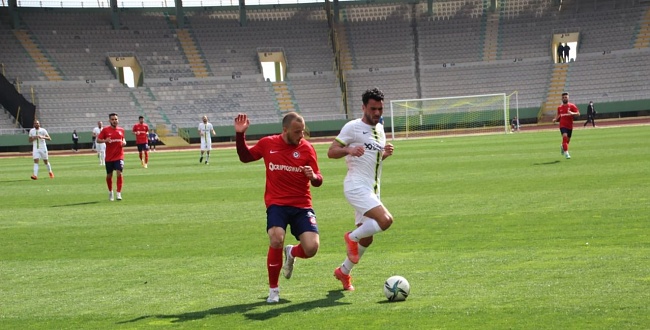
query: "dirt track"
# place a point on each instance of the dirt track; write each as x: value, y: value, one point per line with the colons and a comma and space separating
x: 636, y: 121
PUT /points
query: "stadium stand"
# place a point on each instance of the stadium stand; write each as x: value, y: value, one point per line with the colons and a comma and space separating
x: 408, y: 50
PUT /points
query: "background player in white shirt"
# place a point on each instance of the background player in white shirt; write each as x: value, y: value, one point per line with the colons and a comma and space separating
x: 99, y: 147
x: 206, y: 131
x: 363, y: 144
x: 37, y: 137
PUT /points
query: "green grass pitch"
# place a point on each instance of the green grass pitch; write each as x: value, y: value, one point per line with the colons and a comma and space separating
x: 492, y: 232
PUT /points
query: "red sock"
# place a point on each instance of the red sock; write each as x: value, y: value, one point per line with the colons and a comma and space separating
x: 109, y: 183
x: 298, y: 252
x: 146, y: 157
x: 120, y: 180
x: 273, y: 266
x: 140, y: 154
x: 565, y: 143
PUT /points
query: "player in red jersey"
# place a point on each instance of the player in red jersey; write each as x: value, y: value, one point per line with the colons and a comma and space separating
x: 565, y: 114
x: 141, y: 131
x: 113, y: 136
x: 291, y: 166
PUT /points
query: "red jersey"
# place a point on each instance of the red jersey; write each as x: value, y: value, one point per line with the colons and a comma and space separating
x: 286, y: 184
x: 566, y: 120
x: 114, y: 149
x: 141, y: 131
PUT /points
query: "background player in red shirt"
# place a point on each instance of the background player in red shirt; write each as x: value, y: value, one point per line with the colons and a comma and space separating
x: 113, y: 136
x: 291, y: 166
x: 141, y: 131
x: 565, y: 114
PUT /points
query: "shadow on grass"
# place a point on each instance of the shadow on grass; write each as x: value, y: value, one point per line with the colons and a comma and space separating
x: 248, y: 309
x: 75, y: 204
x: 548, y: 163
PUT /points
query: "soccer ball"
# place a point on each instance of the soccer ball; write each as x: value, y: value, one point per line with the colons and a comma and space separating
x: 396, y: 288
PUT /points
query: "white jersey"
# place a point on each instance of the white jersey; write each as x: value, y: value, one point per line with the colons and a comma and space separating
x: 364, y: 171
x: 38, y: 144
x: 96, y: 132
x: 206, y: 132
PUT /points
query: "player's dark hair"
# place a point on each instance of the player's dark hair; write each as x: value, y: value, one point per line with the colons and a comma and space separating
x: 111, y: 115
x: 374, y: 94
x: 290, y: 117
x: 141, y: 117
x: 565, y: 93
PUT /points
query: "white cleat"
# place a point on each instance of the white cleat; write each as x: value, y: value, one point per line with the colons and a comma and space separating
x: 110, y: 196
x: 289, y: 260
x: 274, y: 296
x: 567, y: 155
x: 119, y: 196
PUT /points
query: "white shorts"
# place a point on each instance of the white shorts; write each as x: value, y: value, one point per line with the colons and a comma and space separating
x: 205, y: 146
x: 39, y: 154
x: 101, y: 147
x: 362, y: 199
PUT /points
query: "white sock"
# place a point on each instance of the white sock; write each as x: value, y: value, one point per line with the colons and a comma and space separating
x: 347, y: 265
x: 367, y: 229
x: 35, y: 169
x: 49, y: 167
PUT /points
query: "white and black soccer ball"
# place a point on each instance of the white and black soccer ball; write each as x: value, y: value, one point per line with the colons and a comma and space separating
x: 397, y: 288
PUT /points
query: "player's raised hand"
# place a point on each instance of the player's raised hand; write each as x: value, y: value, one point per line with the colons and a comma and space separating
x: 241, y: 123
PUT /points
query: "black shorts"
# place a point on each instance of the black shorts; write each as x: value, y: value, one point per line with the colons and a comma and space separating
x: 300, y: 220
x: 143, y: 147
x: 117, y: 165
x: 568, y: 131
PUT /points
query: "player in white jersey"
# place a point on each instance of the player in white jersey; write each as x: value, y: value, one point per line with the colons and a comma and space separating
x: 206, y: 131
x: 363, y: 144
x: 37, y: 137
x: 99, y: 147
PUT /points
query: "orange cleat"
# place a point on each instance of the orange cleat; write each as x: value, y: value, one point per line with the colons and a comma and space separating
x: 353, y: 248
x: 346, y: 280
x: 34, y: 177
x: 51, y: 175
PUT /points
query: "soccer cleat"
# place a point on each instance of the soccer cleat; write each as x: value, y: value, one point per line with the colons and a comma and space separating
x: 274, y: 296
x: 287, y: 268
x: 51, y: 175
x: 201, y: 160
x: 119, y: 196
x: 110, y: 196
x: 206, y: 163
x: 145, y: 165
x: 567, y: 155
x: 352, y: 248
x: 346, y: 280
x: 34, y: 177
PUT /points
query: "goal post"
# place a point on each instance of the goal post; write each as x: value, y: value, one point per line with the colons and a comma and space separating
x: 457, y: 115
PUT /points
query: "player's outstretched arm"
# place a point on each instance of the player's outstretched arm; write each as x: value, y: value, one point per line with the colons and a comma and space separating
x: 241, y: 125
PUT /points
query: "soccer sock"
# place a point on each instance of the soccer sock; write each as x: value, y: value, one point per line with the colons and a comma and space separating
x: 120, y: 180
x: 49, y: 167
x: 298, y: 252
x: 207, y: 159
x: 273, y: 266
x: 347, y: 265
x: 565, y: 143
x: 35, y: 169
x: 109, y: 183
x: 367, y: 229
x: 140, y: 154
x: 146, y: 157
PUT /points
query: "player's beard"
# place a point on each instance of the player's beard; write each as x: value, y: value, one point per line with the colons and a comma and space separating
x: 565, y: 101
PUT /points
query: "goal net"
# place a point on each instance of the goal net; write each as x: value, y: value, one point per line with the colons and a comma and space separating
x: 458, y: 115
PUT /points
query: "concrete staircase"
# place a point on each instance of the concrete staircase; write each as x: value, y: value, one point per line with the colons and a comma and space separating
x: 283, y: 96
x: 554, y: 95
x: 643, y: 37
x: 192, y: 53
x: 491, y: 42
x: 344, y: 47
x: 41, y: 60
